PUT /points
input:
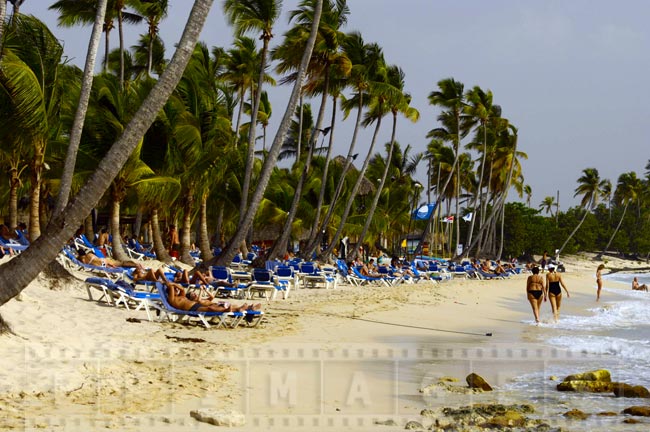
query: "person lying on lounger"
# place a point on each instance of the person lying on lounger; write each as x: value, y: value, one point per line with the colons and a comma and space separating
x: 637, y: 287
x: 92, y: 259
x: 202, y: 301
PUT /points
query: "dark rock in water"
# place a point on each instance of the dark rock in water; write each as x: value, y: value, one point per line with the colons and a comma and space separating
x: 413, y: 425
x: 597, y: 375
x: 477, y: 381
x: 576, y: 414
x: 626, y: 390
x: 586, y: 386
x: 607, y: 414
x: 631, y: 421
x: 641, y: 411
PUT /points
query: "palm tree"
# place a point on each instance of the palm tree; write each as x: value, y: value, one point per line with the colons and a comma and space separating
x: 606, y: 194
x: 77, y: 126
x: 19, y: 272
x: 240, y: 68
x: 547, y: 205
x: 253, y: 16
x: 74, y: 12
x: 153, y: 11
x: 30, y: 74
x: 271, y: 159
x: 363, y: 61
x: 398, y: 103
x: 16, y: 11
x: 628, y: 189
x: 483, y: 111
x: 528, y: 190
x: 589, y: 186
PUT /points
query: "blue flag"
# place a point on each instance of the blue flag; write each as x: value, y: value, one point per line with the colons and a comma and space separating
x: 424, y: 212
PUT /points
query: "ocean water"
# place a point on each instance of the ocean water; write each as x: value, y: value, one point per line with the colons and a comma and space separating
x: 615, y: 335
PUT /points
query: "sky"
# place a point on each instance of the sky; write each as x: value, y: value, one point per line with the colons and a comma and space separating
x: 571, y: 75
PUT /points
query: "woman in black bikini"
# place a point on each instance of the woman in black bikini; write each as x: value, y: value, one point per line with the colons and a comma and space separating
x: 535, y: 289
x: 553, y: 282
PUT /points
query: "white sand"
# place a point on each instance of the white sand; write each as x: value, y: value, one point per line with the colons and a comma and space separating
x: 74, y: 364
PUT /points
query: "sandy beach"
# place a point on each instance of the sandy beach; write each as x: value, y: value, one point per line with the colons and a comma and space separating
x: 348, y: 358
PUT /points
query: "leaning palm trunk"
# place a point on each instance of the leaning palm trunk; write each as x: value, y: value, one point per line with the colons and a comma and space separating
x: 353, y: 195
x: 611, y: 239
x: 80, y: 114
x: 478, y: 192
x: 250, y: 156
x: 323, y: 184
x: 281, y: 245
x: 441, y: 194
x: 505, y: 196
x: 270, y: 162
x: 339, y: 187
x: 575, y: 230
x: 20, y: 271
x: 375, y: 200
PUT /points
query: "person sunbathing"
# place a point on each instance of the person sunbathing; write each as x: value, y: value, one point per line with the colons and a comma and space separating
x: 151, y: 275
x: 637, y: 287
x: 92, y: 259
x: 202, y: 301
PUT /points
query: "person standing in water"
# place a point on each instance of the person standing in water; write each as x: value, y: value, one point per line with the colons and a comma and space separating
x: 599, y: 280
x: 535, y: 289
x: 553, y: 283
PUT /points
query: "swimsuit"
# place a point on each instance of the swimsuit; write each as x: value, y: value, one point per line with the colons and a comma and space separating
x: 554, y: 288
x: 195, y: 307
x: 535, y: 293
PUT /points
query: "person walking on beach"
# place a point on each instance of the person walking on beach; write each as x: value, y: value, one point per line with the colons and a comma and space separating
x: 544, y: 261
x: 553, y: 283
x: 535, y: 289
x: 599, y: 280
x: 174, y: 242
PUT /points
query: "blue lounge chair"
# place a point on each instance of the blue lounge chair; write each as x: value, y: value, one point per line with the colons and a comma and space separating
x: 264, y: 284
x: 122, y: 293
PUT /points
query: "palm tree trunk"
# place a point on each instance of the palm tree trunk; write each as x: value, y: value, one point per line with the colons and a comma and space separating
x: 355, y: 189
x: 281, y: 245
x: 250, y: 159
x: 242, y: 94
x: 375, y: 199
x: 299, y: 145
x: 16, y: 274
x: 118, y: 250
x: 14, y: 183
x: 3, y: 14
x: 186, y: 230
x: 270, y: 162
x: 158, y: 243
x: 204, y: 238
x: 620, y: 221
x: 339, y: 187
x: 120, y: 29
x: 35, y: 193
x: 137, y: 226
x: 478, y: 191
x: 505, y: 196
x: 323, y: 185
x: 107, y: 47
x: 82, y: 107
x: 577, y: 227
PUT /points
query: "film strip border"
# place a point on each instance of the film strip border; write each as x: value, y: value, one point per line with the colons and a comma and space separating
x: 301, y: 351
